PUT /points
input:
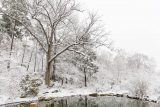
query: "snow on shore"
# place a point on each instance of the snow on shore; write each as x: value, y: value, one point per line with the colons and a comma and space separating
x: 55, y: 92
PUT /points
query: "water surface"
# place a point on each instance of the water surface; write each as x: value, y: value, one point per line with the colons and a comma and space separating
x: 84, y: 101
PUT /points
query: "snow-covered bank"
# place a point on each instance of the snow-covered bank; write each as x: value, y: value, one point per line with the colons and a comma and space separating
x: 106, y: 81
x: 49, y: 94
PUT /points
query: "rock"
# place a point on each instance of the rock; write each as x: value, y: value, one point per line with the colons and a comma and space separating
x: 23, y: 96
x: 119, y: 95
x: 103, y: 95
x: 107, y: 94
x: 41, y: 99
x: 94, y: 94
x: 45, y: 92
x: 55, y: 91
x: 44, y: 99
x: 132, y: 97
x: 33, y: 105
x: 154, y: 101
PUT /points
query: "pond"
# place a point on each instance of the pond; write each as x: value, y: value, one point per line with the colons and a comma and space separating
x: 85, y: 101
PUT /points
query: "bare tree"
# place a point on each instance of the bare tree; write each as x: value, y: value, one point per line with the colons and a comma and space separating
x: 57, y: 31
x: 30, y: 59
x: 10, y: 26
x: 35, y: 58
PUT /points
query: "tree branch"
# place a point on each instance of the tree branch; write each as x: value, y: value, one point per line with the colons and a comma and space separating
x: 42, y: 28
x: 77, y: 52
x: 65, y: 49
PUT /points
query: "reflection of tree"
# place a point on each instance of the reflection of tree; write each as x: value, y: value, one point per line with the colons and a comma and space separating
x: 47, y: 105
x: 23, y: 105
x: 95, y: 102
x: 60, y: 103
x: 80, y: 102
x: 142, y: 104
x: 86, y: 100
x: 52, y: 105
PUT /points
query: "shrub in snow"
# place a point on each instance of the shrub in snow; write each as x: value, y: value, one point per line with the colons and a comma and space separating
x: 30, y: 86
x: 140, y: 88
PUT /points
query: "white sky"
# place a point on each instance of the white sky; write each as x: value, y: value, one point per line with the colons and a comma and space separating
x: 134, y: 24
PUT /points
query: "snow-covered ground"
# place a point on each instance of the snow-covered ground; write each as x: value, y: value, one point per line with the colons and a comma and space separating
x: 49, y: 94
x: 107, y: 80
x: 10, y: 91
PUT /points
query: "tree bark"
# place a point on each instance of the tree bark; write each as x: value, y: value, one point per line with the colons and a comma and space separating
x: 53, y: 76
x: 54, y: 61
x: 47, y: 73
x: 48, y: 66
x: 12, y: 42
x: 85, y: 78
x: 30, y: 59
x: 23, y: 55
x: 35, y: 60
x: 42, y: 63
x: 66, y: 103
x: 10, y: 54
x: 86, y: 101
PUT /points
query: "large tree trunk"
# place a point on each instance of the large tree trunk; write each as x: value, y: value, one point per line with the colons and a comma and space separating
x: 54, y: 61
x: 53, y: 71
x: 53, y: 75
x: 48, y: 66
x: 47, y: 73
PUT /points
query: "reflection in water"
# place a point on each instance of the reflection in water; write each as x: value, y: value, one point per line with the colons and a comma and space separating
x: 93, y: 102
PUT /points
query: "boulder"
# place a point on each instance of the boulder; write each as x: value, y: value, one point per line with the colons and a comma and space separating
x: 33, y: 105
x: 94, y: 94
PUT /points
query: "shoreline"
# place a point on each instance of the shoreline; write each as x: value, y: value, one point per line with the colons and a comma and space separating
x: 92, y: 94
